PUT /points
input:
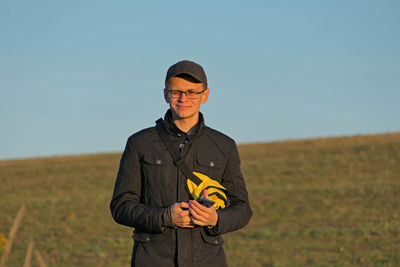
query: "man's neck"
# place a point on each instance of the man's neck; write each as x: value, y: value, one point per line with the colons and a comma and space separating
x: 186, y: 125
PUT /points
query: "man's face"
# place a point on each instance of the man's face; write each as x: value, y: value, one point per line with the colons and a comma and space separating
x: 182, y: 106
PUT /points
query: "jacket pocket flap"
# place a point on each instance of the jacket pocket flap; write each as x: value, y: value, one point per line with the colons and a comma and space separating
x: 145, y: 237
x: 215, y: 240
x: 157, y: 159
x: 152, y: 160
x: 208, y: 162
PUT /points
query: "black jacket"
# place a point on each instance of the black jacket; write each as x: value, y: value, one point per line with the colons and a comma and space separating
x: 148, y: 182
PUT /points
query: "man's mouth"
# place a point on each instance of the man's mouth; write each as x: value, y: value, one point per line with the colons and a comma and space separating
x: 182, y: 107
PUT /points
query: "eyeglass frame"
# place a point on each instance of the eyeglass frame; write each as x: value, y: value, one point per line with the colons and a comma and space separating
x: 197, y: 94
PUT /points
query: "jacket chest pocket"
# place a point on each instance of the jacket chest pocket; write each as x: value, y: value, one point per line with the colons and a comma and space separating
x: 157, y: 170
x: 213, y: 167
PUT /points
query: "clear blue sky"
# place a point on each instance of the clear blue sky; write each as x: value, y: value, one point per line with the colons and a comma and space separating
x: 81, y: 76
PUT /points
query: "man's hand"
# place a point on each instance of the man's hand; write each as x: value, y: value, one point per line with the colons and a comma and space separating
x: 202, y: 215
x: 180, y: 215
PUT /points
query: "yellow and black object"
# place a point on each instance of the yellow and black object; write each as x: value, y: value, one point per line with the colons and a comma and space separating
x: 196, y: 182
x: 215, y: 190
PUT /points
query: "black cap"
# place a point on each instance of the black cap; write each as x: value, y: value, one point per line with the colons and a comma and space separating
x: 187, y: 67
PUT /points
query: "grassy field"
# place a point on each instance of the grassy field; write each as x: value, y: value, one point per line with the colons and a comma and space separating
x: 320, y: 202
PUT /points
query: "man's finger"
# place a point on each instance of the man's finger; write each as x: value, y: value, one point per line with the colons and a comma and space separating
x: 197, y: 222
x: 184, y: 205
x: 194, y: 213
x: 205, y: 194
x: 188, y: 226
x: 198, y: 208
x: 184, y: 213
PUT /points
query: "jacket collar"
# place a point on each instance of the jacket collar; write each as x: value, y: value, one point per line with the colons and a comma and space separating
x: 173, y: 129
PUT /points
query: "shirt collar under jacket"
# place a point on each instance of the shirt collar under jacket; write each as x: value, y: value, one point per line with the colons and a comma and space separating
x: 170, y: 125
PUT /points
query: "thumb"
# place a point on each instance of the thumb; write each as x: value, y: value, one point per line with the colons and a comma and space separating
x: 184, y: 205
x: 205, y: 194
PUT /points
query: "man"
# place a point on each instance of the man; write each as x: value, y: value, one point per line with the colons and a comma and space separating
x: 151, y: 194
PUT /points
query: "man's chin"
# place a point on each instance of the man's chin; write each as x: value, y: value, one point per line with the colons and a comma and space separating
x: 182, y: 115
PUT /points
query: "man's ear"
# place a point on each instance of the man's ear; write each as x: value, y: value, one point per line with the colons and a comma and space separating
x: 204, y: 97
x: 166, y: 95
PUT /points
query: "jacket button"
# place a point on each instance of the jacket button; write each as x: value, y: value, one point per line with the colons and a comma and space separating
x: 158, y: 161
x: 212, y: 163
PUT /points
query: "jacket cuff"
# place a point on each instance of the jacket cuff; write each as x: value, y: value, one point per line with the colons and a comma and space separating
x: 213, y: 230
x: 166, y: 218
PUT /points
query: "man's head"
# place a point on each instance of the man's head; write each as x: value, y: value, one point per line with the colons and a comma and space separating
x: 187, y: 68
x: 185, y: 89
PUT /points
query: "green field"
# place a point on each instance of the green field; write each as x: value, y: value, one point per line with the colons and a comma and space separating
x: 317, y: 202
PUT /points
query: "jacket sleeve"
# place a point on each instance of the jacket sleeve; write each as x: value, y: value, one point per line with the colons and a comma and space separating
x: 238, y: 213
x: 126, y: 207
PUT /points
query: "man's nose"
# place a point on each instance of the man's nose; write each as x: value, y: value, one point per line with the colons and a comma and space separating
x: 183, y: 96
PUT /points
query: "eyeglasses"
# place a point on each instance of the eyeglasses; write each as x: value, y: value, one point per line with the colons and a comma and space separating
x: 191, y: 94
